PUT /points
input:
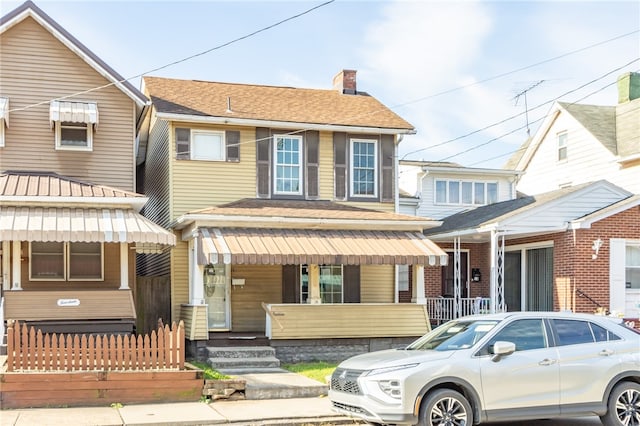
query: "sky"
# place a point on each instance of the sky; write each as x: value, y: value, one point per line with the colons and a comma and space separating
x: 470, y: 76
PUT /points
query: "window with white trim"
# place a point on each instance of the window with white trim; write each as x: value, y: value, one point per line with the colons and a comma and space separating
x: 4, y: 118
x: 287, y: 164
x: 331, y: 285
x: 632, y: 266
x: 66, y: 261
x: 207, y: 145
x: 562, y: 146
x: 456, y: 192
x: 74, y: 124
x: 364, y: 168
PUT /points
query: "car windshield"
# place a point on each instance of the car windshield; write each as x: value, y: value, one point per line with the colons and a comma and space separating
x: 454, y: 335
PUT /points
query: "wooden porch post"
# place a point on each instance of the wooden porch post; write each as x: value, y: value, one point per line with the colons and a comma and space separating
x: 16, y: 273
x: 314, y: 285
x: 417, y: 285
x: 124, y: 266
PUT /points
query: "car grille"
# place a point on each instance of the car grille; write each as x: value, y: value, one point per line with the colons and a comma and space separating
x: 351, y: 408
x: 346, y: 381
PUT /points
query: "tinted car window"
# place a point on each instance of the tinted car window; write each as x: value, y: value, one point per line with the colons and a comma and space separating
x: 526, y: 334
x: 572, y: 332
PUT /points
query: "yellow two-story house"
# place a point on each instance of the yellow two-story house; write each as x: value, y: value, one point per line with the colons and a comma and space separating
x: 283, y: 203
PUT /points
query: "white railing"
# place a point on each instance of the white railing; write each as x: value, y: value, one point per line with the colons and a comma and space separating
x: 442, y: 309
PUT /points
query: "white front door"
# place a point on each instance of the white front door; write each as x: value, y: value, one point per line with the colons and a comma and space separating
x: 216, y: 293
x: 625, y: 277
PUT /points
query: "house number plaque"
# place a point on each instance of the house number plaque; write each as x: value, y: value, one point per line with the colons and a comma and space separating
x: 68, y: 302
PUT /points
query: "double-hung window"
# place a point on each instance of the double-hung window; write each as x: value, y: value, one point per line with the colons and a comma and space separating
x: 70, y: 261
x: 74, y: 124
x: 562, y: 146
x: 287, y: 164
x: 330, y: 283
x: 4, y: 118
x: 364, y: 168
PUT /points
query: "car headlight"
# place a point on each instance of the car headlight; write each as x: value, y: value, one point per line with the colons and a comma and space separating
x: 388, y: 369
x: 393, y: 388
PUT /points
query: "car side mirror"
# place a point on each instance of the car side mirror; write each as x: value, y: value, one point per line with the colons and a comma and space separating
x: 501, y: 348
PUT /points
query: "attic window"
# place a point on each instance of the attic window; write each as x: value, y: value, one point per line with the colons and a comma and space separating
x: 562, y: 146
x: 4, y: 118
x: 74, y: 124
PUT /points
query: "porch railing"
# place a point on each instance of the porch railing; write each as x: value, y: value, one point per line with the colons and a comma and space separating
x: 30, y: 350
x: 443, y: 309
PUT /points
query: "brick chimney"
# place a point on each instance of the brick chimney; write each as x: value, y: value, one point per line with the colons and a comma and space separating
x: 345, y: 82
x: 628, y: 87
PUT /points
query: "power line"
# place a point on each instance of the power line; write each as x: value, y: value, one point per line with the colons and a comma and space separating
x: 179, y: 61
x: 516, y: 115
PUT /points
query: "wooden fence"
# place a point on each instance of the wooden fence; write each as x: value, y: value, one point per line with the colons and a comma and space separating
x: 30, y: 350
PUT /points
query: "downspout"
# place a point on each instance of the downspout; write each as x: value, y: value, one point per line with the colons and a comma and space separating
x: 396, y: 209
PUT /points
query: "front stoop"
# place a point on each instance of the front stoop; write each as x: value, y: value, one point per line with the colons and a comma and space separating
x: 261, y: 371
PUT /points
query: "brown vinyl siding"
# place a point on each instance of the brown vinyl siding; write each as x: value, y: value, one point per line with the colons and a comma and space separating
x: 262, y: 284
x: 30, y: 57
x: 377, y: 283
x: 200, y: 184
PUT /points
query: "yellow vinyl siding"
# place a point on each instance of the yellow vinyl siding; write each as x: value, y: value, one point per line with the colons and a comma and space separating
x: 200, y: 184
x: 262, y: 284
x: 326, y: 169
x: 195, y: 322
x: 377, y: 283
x: 34, y: 68
x: 179, y: 277
x: 351, y: 320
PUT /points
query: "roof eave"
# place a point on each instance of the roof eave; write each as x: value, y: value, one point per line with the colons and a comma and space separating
x: 220, y: 221
x: 282, y: 124
x: 135, y: 203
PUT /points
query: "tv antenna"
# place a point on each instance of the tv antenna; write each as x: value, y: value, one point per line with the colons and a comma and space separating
x: 523, y: 94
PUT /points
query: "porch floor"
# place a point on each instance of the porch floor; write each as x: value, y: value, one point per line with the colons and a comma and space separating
x: 230, y: 338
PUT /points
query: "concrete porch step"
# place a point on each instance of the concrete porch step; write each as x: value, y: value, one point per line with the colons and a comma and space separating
x: 241, y: 352
x: 247, y: 362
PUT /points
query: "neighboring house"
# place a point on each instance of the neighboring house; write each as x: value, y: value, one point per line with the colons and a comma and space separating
x: 441, y: 189
x: 579, y: 143
x: 574, y: 248
x: 70, y: 225
x: 282, y: 200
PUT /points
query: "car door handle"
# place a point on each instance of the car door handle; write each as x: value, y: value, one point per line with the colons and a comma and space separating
x: 547, y: 361
x: 606, y: 352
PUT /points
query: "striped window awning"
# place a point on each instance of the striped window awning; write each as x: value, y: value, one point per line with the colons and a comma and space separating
x: 320, y: 247
x: 4, y: 110
x: 109, y: 225
x: 73, y: 112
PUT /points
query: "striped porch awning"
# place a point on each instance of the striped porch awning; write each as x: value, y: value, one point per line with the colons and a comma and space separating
x: 320, y: 247
x: 109, y: 225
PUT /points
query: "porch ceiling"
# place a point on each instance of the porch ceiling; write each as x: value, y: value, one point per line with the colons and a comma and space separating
x: 110, y: 225
x: 319, y: 247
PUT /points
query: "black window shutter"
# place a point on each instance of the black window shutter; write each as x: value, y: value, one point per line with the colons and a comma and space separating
x: 340, y: 164
x: 182, y: 144
x: 263, y: 163
x: 387, y: 173
x: 351, y: 283
x: 232, y: 140
x: 290, y: 283
x: 312, y: 140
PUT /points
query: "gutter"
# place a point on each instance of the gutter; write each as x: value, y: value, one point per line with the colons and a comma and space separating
x: 281, y: 124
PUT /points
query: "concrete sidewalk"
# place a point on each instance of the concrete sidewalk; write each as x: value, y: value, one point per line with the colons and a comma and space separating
x: 296, y: 411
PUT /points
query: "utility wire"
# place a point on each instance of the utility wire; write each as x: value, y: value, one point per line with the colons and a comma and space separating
x: 218, y: 47
x: 519, y: 114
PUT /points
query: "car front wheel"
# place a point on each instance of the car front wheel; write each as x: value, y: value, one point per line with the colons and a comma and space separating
x: 445, y: 407
x: 623, y: 408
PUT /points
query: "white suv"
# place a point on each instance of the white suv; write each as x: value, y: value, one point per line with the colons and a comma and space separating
x: 499, y: 367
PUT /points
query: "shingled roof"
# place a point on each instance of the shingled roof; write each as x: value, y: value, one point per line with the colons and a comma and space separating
x: 201, y: 99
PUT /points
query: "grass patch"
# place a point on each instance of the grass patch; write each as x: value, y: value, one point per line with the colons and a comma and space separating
x: 209, y: 373
x: 318, y: 370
